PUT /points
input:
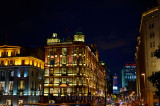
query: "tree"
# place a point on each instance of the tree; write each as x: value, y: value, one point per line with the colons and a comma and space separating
x: 155, y: 80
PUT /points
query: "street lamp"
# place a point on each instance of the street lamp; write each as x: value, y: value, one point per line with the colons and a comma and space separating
x: 88, y: 88
x: 143, y: 74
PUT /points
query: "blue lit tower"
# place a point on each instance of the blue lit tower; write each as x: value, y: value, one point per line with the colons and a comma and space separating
x: 115, y: 84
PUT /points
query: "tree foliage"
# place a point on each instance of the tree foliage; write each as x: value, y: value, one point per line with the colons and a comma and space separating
x: 155, y: 80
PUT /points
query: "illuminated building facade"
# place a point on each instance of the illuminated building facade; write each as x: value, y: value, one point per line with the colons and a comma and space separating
x: 115, y: 84
x: 71, y: 68
x: 146, y: 62
x: 109, y: 82
x: 128, y: 74
x: 21, y: 76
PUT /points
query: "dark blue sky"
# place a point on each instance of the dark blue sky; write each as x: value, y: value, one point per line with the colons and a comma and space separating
x: 112, y: 24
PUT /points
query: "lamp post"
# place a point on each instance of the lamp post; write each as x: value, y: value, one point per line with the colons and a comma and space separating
x: 143, y: 74
x: 88, y: 88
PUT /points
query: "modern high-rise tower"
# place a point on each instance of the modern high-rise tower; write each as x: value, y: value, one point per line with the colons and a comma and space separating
x: 128, y: 74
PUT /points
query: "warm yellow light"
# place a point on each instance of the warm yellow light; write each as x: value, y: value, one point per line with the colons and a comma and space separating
x: 143, y: 74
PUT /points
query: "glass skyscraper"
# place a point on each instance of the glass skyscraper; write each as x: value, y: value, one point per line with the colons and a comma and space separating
x: 128, y: 74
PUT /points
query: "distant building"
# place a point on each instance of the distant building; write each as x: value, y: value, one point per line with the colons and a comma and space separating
x: 109, y: 82
x: 115, y: 84
x: 21, y: 75
x: 72, y: 68
x: 128, y: 74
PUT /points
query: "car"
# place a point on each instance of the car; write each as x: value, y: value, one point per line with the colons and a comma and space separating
x: 123, y: 104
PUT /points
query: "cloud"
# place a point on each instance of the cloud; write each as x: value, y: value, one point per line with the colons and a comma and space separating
x: 25, y: 26
x: 114, y: 41
x: 112, y: 44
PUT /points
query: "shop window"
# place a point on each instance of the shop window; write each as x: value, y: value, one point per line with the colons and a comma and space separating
x: 20, y: 102
x: 8, y: 102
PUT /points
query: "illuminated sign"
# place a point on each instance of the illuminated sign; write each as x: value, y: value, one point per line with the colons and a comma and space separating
x: 115, y: 88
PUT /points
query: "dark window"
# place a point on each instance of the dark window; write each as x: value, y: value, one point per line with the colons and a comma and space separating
x: 33, y: 63
x: 22, y: 73
x: 152, y: 54
x: 12, y: 73
x: 151, y: 35
x: 23, y: 62
x: 11, y: 62
x: 152, y: 25
x: 32, y: 73
x: 2, y: 73
x: 151, y: 45
x: 2, y: 63
x: 37, y: 74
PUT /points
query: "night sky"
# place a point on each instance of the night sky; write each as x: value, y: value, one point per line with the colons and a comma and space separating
x: 112, y: 24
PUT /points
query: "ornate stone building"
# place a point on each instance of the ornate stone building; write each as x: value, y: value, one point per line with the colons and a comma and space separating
x: 72, y: 68
x: 146, y: 62
x: 21, y: 75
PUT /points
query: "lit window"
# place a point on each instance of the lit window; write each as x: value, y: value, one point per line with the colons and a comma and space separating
x: 20, y: 102
x: 2, y: 84
x: 64, y: 71
x: 8, y: 102
x: 21, y: 84
x: 64, y: 51
x: 10, y: 85
x: 64, y: 80
x: 63, y: 60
